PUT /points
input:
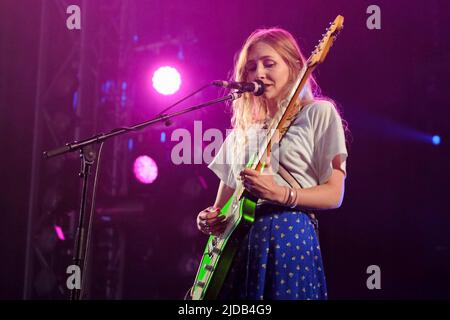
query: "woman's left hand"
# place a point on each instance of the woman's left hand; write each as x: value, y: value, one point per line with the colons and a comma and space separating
x: 261, y: 185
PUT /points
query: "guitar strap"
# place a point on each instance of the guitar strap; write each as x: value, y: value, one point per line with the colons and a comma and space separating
x: 290, y: 179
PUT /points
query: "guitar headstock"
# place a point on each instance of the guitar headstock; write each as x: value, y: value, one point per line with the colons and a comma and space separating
x: 321, y: 50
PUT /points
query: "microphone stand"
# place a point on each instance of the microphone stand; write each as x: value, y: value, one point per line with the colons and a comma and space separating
x: 88, y: 157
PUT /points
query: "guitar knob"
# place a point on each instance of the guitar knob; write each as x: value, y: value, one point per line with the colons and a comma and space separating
x: 201, y: 284
x: 209, y: 267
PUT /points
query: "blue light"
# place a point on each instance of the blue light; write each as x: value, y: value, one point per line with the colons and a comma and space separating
x: 107, y: 86
x: 436, y: 140
x: 75, y: 100
x: 163, y: 137
x: 123, y: 100
x: 130, y: 144
x: 181, y: 54
x: 123, y: 97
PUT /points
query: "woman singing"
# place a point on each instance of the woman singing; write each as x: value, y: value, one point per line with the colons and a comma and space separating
x: 280, y: 257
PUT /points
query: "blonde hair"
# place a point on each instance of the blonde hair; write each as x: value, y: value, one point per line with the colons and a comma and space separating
x: 249, y: 108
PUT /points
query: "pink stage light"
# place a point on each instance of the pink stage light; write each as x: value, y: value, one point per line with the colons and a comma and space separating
x: 59, y: 232
x: 145, y: 169
x: 166, y: 80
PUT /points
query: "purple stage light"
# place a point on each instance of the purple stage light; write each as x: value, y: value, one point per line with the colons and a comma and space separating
x: 145, y: 169
x: 59, y: 232
x: 166, y: 80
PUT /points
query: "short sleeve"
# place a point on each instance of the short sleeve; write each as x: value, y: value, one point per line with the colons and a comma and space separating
x: 329, y: 139
x: 221, y: 164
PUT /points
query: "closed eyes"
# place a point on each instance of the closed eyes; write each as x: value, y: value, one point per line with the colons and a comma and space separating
x: 252, y: 66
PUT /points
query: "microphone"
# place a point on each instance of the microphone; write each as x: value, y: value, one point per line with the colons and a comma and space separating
x: 257, y: 87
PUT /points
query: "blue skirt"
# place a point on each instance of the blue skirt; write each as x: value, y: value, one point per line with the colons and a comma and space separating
x: 279, y: 259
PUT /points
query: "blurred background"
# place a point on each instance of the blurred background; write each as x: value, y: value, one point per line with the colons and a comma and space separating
x: 59, y: 85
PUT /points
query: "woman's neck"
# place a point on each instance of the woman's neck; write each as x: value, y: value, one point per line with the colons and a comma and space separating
x: 272, y: 108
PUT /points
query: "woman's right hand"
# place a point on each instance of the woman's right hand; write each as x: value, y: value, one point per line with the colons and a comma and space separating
x: 209, y: 222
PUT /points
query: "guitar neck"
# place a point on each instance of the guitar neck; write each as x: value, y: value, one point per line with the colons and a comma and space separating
x: 283, y: 119
x: 286, y: 114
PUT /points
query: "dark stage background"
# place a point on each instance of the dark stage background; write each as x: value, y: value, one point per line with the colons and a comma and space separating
x: 58, y: 85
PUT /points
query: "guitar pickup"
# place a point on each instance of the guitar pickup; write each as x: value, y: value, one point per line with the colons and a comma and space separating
x: 212, y: 248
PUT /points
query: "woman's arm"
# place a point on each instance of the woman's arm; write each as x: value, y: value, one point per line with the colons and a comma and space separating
x: 223, y: 194
x: 326, y: 196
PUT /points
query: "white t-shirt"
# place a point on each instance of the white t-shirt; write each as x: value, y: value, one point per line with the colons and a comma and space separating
x: 314, y: 138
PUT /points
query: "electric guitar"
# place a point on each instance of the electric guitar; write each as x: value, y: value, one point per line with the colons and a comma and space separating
x: 240, y: 208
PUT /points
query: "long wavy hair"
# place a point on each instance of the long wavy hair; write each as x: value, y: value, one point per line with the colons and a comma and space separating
x: 250, y: 109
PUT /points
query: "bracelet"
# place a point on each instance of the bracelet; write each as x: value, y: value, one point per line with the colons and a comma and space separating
x: 291, y: 202
x: 286, y: 195
x: 289, y: 198
x: 294, y: 204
